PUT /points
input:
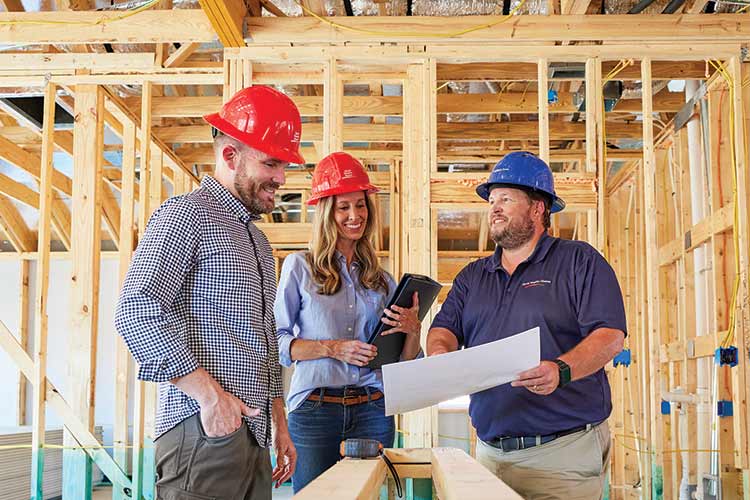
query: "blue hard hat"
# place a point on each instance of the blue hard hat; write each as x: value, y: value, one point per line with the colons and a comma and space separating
x: 525, y: 170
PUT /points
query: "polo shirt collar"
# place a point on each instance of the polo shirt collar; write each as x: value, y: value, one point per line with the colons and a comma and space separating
x: 228, y: 200
x: 543, y: 246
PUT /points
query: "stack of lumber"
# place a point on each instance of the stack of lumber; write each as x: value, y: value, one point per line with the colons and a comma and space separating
x: 15, y: 463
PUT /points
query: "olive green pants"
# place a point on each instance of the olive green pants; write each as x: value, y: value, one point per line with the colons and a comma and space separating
x: 572, y: 467
x: 193, y: 466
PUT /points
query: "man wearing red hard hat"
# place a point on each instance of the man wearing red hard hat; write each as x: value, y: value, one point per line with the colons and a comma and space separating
x: 196, y: 312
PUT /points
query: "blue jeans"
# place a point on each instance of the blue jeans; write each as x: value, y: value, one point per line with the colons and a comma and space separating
x: 318, y: 428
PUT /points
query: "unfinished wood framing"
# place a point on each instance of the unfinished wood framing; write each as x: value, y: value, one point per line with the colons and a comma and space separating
x: 455, y: 476
x: 411, y: 130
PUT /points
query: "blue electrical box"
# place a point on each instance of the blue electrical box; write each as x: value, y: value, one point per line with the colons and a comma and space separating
x: 666, y: 408
x: 622, y: 358
x: 724, y: 409
x: 552, y: 97
x: 726, y: 357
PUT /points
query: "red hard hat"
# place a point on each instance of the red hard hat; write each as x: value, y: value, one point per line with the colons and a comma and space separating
x: 339, y: 173
x: 264, y: 119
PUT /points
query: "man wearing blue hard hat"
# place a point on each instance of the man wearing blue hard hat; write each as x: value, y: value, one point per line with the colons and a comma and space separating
x: 545, y: 434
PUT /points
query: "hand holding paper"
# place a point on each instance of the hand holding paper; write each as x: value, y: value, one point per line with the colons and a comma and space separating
x: 425, y: 382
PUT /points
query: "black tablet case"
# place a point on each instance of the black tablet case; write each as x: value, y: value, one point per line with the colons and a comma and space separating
x: 390, y: 346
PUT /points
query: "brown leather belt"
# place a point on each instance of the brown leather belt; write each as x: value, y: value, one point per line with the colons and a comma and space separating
x: 347, y: 400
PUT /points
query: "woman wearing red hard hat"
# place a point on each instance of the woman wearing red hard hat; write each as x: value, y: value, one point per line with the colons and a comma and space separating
x: 329, y: 298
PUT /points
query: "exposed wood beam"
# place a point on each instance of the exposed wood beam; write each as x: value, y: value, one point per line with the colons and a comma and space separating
x: 315, y: 6
x: 193, y: 25
x: 613, y: 27
x: 513, y: 71
x: 122, y: 111
x: 30, y: 163
x: 19, y: 192
x: 65, y: 61
x: 19, y: 234
x: 150, y: 26
x: 696, y: 7
x: 507, y: 102
x: 13, y: 5
x: 180, y: 55
x: 227, y: 18
x: 574, y: 6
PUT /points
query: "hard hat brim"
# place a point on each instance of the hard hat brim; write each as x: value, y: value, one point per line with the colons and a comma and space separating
x: 369, y: 188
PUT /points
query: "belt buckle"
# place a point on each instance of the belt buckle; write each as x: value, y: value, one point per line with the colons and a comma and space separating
x: 513, y: 444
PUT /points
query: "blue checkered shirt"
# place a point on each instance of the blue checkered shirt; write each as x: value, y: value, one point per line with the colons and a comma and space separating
x: 199, y: 293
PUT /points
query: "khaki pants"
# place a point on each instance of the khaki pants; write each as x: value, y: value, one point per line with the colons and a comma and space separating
x: 572, y: 467
x: 192, y: 466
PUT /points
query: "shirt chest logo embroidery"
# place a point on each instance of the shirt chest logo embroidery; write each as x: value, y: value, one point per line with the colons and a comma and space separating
x: 535, y: 283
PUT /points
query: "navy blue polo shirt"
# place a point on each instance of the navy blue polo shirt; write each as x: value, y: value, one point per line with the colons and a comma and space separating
x: 568, y: 290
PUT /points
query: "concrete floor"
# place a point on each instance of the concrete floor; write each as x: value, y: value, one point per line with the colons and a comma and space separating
x: 283, y: 493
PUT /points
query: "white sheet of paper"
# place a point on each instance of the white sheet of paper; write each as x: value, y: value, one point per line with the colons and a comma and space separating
x: 420, y: 383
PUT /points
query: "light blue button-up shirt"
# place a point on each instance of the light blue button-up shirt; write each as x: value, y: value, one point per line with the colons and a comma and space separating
x: 301, y: 312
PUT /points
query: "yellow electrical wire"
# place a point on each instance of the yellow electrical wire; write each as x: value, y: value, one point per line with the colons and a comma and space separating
x: 649, y: 452
x: 621, y: 65
x: 415, y: 34
x: 100, y: 21
x: 743, y: 9
x: 722, y: 71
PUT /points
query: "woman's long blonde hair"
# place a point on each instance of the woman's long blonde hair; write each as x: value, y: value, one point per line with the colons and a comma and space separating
x: 322, y: 254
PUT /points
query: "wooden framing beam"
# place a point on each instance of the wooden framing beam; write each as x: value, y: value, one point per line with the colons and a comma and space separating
x: 15, y: 228
x: 88, y: 142
x: 23, y: 337
x: 84, y: 437
x: 504, y: 71
x: 719, y: 221
x: 415, y: 29
x: 652, y: 272
x: 122, y: 112
x: 13, y: 6
x: 150, y: 26
x: 39, y: 375
x: 227, y: 18
x: 126, y: 246
x: 507, y: 102
x: 457, y: 476
x: 180, y: 55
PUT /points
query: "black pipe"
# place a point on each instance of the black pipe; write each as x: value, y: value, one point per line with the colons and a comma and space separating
x: 408, y: 7
x: 348, y: 7
x: 673, y: 6
x: 506, y: 7
x: 640, y: 6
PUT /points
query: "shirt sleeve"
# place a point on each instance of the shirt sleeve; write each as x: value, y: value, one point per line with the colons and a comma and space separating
x: 451, y: 312
x: 157, y: 272
x: 287, y: 306
x: 598, y: 294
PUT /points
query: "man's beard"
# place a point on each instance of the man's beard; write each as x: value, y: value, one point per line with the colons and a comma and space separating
x: 249, y: 194
x: 515, y: 234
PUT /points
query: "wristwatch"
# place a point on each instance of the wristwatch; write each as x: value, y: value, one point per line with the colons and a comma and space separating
x: 564, y: 369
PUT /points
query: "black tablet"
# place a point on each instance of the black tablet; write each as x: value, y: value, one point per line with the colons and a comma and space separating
x: 390, y: 346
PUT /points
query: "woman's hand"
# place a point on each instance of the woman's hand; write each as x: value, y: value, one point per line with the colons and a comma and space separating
x: 404, y: 319
x: 354, y: 352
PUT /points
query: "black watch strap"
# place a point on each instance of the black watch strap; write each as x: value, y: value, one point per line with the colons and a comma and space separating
x: 565, y: 374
